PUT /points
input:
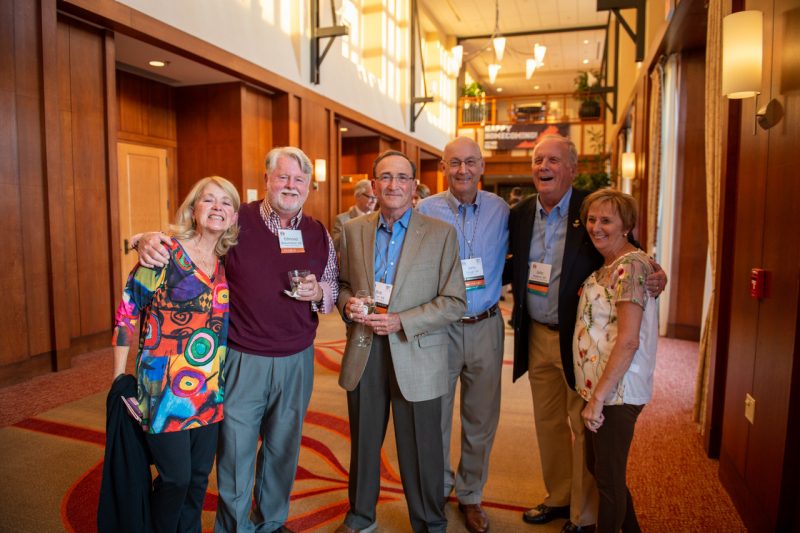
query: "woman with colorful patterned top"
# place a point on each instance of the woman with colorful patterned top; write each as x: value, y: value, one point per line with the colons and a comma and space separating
x: 183, y: 309
x: 614, y: 350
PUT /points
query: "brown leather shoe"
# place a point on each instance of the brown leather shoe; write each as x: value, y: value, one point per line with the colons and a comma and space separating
x: 474, y: 517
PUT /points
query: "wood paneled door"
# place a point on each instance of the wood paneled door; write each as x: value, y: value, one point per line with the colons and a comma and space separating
x: 143, y: 197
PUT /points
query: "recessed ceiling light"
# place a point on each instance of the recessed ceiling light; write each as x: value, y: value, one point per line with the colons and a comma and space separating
x: 586, y: 41
x: 499, y: 89
x: 585, y: 61
x: 159, y: 63
x: 343, y: 129
x: 535, y: 87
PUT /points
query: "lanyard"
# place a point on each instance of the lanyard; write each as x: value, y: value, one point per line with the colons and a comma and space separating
x: 462, y: 228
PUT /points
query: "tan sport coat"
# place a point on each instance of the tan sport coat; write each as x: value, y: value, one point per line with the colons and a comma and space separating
x: 338, y: 224
x: 428, y: 294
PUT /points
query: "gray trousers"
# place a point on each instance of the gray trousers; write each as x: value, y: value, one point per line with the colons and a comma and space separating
x: 475, y: 354
x: 419, y: 440
x: 266, y: 397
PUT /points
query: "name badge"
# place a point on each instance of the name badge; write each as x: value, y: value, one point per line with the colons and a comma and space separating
x: 383, y: 292
x: 473, y: 273
x: 291, y: 241
x: 539, y: 278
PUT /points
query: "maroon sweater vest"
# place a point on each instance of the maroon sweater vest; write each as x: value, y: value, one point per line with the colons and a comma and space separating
x: 263, y: 320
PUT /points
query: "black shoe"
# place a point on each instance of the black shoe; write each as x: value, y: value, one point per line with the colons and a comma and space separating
x: 542, y: 514
x: 569, y: 527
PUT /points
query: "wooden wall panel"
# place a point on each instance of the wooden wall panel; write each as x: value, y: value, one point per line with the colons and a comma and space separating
x: 256, y: 138
x: 145, y: 110
x: 14, y: 54
x: 315, y: 141
x: 90, y: 180
x: 209, y: 134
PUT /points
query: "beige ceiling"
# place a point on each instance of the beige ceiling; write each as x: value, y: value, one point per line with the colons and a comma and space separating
x: 565, y: 51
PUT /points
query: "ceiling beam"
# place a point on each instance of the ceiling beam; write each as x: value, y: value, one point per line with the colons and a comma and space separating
x: 572, y: 29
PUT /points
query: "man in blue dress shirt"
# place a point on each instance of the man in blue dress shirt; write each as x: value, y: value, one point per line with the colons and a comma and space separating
x: 475, y: 347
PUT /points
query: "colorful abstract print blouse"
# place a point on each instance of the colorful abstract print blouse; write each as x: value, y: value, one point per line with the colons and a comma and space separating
x: 182, y: 342
x: 596, y: 330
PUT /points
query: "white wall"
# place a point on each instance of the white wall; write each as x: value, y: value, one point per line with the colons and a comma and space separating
x: 273, y: 35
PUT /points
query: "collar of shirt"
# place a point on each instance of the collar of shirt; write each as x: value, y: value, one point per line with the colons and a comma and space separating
x: 454, y: 204
x: 273, y: 220
x: 561, y: 209
x: 403, y: 220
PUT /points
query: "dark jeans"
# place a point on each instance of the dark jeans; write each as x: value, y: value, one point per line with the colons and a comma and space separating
x: 183, y: 460
x: 607, y: 460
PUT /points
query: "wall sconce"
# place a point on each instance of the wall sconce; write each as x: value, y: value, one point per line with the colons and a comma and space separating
x: 628, y: 165
x: 742, y: 64
x: 320, y: 172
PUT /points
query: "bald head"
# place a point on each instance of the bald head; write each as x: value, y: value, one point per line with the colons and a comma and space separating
x: 463, y: 165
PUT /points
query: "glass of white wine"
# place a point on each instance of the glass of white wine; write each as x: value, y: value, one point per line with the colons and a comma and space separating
x: 296, y: 277
x: 367, y: 307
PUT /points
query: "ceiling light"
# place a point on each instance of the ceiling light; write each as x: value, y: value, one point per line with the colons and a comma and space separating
x: 530, y: 67
x: 343, y: 129
x: 499, y: 89
x: 535, y: 87
x: 158, y: 63
x: 586, y: 41
x: 493, y: 69
x: 538, y: 53
x: 499, y: 44
x: 585, y: 61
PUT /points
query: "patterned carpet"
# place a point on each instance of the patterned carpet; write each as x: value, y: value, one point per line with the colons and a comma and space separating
x: 53, y: 433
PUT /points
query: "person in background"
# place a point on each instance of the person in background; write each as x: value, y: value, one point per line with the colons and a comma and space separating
x: 182, y: 311
x: 422, y: 191
x: 409, y: 264
x: 515, y: 196
x: 551, y: 256
x: 614, y: 351
x: 269, y: 370
x: 365, y: 204
x: 475, y: 341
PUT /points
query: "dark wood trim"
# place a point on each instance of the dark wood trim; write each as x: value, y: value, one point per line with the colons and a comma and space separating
x: 135, y: 138
x: 109, y: 55
x: 57, y: 267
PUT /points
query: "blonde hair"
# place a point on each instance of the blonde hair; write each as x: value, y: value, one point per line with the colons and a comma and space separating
x: 623, y: 205
x: 185, y: 227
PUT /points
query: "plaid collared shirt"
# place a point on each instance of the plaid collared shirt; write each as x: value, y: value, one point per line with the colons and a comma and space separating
x: 330, y: 276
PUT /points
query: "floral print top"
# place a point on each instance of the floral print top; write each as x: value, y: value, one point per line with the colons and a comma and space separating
x: 596, y: 329
x: 182, y: 341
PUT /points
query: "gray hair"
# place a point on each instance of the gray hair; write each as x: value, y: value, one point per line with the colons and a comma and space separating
x: 363, y: 187
x: 289, y: 151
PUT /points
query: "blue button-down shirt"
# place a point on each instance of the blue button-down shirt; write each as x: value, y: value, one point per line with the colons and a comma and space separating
x: 547, y: 246
x: 482, y: 229
x: 388, y: 245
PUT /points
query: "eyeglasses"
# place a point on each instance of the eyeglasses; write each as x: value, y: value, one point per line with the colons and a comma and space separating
x: 403, y: 179
x: 472, y: 162
x: 369, y: 197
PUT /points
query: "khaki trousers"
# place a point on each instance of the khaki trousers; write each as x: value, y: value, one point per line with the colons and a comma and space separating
x: 559, y: 429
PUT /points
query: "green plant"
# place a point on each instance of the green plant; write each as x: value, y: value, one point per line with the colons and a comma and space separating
x: 593, y: 166
x: 473, y: 89
x: 584, y: 86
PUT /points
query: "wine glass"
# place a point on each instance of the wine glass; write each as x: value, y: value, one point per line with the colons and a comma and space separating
x: 366, y: 307
x: 296, y: 277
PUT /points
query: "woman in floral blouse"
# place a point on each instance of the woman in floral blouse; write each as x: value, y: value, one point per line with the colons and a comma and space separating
x: 614, y: 351
x: 181, y: 311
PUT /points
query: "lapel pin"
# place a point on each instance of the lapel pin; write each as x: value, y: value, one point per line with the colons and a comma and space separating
x: 576, y: 223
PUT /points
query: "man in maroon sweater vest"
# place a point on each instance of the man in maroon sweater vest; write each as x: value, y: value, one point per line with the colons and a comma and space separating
x: 269, y: 369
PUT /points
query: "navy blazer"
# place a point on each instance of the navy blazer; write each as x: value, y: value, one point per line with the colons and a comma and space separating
x: 580, y: 260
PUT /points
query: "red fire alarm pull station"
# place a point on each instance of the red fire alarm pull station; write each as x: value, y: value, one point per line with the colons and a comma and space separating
x: 758, y: 283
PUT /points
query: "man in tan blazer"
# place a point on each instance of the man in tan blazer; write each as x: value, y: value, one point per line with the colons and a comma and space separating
x: 410, y: 264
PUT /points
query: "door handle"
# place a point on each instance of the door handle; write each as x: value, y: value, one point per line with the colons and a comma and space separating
x: 128, y: 247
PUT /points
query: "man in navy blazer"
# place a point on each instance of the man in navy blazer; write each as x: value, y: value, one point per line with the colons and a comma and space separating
x: 551, y: 256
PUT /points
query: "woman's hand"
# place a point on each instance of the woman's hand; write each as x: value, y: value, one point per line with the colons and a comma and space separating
x: 593, y: 415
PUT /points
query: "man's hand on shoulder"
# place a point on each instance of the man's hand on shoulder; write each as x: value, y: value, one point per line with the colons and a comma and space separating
x: 657, y: 281
x: 151, y: 248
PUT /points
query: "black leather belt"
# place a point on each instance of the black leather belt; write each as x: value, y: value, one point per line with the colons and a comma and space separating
x: 551, y: 327
x: 477, y: 318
